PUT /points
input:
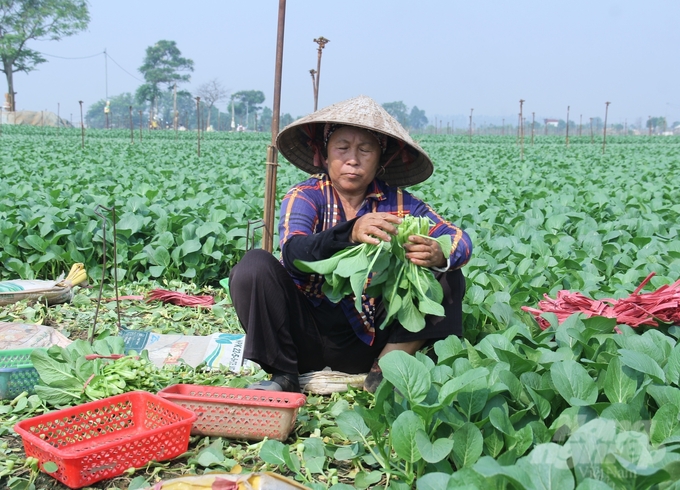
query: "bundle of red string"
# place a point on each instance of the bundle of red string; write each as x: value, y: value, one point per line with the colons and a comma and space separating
x: 635, y: 310
x: 180, y: 299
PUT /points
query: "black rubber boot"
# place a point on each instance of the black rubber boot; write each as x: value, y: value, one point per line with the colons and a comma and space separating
x: 374, y: 378
x: 288, y: 382
x: 279, y: 382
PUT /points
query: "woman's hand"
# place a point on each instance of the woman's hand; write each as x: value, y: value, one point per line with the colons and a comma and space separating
x: 424, y: 252
x: 375, y: 227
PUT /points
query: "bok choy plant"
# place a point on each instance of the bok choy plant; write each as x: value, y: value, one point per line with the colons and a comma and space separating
x: 409, y: 291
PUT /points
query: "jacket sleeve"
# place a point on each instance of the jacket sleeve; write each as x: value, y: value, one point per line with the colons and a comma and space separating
x: 299, y: 229
x: 317, y: 246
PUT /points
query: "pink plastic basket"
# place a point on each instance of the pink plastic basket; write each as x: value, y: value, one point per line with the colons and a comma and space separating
x: 102, y: 439
x: 238, y: 413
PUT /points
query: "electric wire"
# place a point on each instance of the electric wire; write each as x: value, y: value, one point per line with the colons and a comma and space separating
x: 71, y: 58
x: 92, y: 56
x: 109, y: 56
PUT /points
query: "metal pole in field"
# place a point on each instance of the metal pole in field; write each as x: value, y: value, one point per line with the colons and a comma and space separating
x: 106, y: 75
x: 321, y: 41
x: 132, y: 128
x: 567, y: 127
x: 198, y: 124
x: 233, y: 124
x: 272, y: 151
x: 604, y: 135
x: 521, y: 130
x: 174, y: 108
x: 82, y: 126
x: 312, y: 72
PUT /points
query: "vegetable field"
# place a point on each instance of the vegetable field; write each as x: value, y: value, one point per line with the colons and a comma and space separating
x: 509, y: 406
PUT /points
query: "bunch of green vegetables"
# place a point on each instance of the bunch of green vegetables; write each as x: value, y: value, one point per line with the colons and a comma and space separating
x: 82, y: 372
x: 409, y: 291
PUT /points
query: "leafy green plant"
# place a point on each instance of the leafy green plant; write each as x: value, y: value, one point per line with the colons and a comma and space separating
x: 562, y: 218
x: 567, y: 406
x: 409, y: 291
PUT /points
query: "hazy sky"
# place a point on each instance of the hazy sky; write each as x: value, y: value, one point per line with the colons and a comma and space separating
x: 445, y: 57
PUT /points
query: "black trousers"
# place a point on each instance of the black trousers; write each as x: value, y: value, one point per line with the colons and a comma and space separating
x: 286, y: 333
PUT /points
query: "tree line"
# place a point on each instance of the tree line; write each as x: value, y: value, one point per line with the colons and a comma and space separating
x: 160, y: 102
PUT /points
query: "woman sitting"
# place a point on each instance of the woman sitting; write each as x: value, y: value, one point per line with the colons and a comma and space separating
x: 360, y: 158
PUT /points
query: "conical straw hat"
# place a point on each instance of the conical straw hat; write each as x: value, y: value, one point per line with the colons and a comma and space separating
x: 410, y: 166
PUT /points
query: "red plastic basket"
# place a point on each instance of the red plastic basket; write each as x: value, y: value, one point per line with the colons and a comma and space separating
x: 102, y: 439
x: 238, y: 413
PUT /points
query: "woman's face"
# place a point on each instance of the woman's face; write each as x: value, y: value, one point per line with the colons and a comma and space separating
x: 353, y: 158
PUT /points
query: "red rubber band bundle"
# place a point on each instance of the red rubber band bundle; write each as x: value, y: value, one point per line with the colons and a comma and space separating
x: 180, y: 299
x: 635, y: 310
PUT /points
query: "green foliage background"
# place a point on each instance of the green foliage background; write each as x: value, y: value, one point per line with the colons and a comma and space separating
x: 561, y: 218
x: 509, y: 406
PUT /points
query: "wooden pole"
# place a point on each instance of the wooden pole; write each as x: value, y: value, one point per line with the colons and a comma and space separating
x: 604, y: 135
x: 312, y: 72
x: 521, y: 132
x: 82, y: 125
x: 174, y: 109
x: 470, y: 137
x: 321, y: 41
x: 132, y: 128
x: 272, y: 151
x: 198, y: 125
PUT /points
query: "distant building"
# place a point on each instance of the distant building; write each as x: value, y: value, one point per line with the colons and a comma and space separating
x: 551, y: 122
x: 34, y: 118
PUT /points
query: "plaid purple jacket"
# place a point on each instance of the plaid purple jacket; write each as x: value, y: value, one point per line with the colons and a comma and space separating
x: 313, y: 206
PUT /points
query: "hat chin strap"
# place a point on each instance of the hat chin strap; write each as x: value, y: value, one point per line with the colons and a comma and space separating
x: 313, y: 143
x: 403, y: 152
